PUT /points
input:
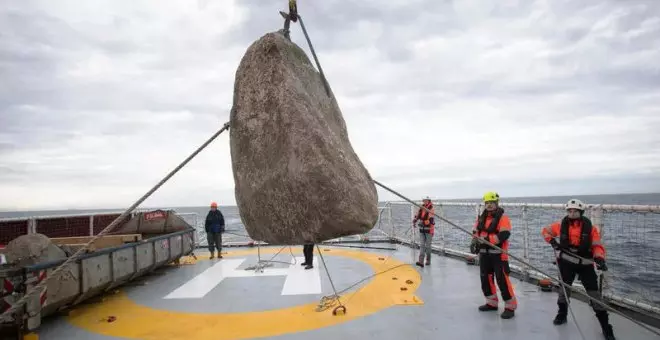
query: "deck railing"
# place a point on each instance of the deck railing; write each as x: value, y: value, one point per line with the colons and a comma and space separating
x: 631, y: 235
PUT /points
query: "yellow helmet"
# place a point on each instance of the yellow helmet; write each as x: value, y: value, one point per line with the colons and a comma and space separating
x: 491, y: 196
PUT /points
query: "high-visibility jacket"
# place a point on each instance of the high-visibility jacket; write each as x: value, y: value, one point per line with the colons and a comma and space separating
x: 576, y: 236
x: 426, y: 219
x: 496, y: 228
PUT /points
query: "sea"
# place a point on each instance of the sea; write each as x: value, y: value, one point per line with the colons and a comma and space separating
x: 632, y: 239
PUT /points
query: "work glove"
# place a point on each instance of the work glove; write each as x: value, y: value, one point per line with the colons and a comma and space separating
x: 554, y: 243
x: 474, y: 246
x: 600, y: 264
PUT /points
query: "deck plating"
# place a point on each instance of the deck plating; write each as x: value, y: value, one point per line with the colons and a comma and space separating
x: 135, y: 318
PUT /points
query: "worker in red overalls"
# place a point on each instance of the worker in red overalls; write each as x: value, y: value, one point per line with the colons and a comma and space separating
x: 495, y: 227
x: 579, y: 248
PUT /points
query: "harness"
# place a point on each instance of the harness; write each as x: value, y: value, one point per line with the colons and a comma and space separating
x: 584, y: 249
x: 492, y: 228
x: 424, y: 215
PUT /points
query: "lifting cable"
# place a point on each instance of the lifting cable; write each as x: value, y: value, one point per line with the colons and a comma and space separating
x: 6, y: 315
x: 483, y: 241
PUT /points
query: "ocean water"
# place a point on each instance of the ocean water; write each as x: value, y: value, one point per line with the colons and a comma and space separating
x: 632, y: 240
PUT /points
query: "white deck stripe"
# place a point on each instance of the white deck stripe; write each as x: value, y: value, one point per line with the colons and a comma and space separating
x: 302, y: 281
x: 203, y: 283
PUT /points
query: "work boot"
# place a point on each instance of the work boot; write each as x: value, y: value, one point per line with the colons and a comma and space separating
x: 603, y: 319
x: 561, y: 314
x: 419, y: 263
x: 309, y: 266
x: 507, y: 314
x: 487, y: 308
x: 303, y: 264
x: 211, y: 257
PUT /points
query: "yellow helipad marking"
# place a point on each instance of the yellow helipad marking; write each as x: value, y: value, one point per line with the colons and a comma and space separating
x: 132, y: 320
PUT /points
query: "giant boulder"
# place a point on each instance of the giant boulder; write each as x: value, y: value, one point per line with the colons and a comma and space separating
x: 297, y: 177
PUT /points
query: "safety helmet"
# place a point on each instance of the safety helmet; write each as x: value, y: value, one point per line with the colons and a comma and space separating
x: 574, y: 203
x: 214, y: 205
x: 491, y: 196
x: 426, y: 198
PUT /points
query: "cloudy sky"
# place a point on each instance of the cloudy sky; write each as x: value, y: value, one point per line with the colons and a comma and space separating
x: 450, y: 98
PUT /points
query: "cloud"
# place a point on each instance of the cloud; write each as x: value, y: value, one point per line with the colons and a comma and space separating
x: 100, y: 100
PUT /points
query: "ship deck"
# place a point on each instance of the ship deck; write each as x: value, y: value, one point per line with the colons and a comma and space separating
x: 220, y: 299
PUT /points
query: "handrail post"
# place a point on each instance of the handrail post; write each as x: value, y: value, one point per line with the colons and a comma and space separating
x: 389, y: 215
x: 91, y: 225
x: 442, y: 229
x: 525, y: 241
x: 413, y: 242
x: 32, y: 226
x: 596, y: 213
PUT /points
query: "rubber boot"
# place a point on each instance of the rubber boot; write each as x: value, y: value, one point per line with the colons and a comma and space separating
x: 508, y: 313
x: 561, y: 314
x: 603, y: 318
x: 487, y: 308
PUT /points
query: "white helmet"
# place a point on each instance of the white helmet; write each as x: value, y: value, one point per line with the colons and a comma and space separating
x: 575, y: 204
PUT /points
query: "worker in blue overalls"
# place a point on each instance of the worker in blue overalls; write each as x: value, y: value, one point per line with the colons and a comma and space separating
x: 214, y: 227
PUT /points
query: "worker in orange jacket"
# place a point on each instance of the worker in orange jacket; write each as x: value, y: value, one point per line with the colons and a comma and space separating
x: 426, y: 224
x: 494, y: 226
x: 579, y: 248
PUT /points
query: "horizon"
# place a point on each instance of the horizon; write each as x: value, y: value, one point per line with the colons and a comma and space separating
x: 471, y: 200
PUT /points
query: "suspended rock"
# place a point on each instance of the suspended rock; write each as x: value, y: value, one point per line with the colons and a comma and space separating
x: 297, y: 177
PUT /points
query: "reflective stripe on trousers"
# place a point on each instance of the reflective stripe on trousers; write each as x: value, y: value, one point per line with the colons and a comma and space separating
x: 494, y: 270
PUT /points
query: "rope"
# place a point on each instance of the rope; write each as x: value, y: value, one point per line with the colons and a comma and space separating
x: 602, y: 304
x: 327, y: 301
x: 336, y: 295
x: 40, y: 287
x: 568, y: 300
x: 263, y: 264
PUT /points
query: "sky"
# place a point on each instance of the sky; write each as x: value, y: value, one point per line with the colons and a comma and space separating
x: 99, y: 100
